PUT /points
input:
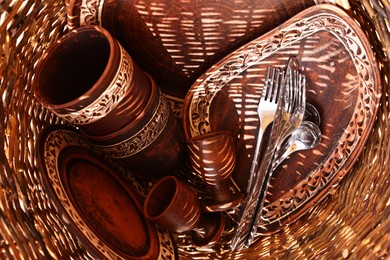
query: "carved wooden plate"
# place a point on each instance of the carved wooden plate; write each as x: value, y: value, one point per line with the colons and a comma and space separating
x: 100, y: 202
x: 342, y: 82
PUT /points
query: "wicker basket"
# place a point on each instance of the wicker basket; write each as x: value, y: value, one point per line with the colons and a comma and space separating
x: 353, y: 221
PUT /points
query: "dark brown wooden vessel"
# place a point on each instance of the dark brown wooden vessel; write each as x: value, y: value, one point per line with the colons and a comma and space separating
x: 88, y: 79
x: 213, y: 159
x: 173, y: 205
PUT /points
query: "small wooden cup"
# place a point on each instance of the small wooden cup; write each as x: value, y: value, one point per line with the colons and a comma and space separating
x: 172, y: 205
x: 213, y: 158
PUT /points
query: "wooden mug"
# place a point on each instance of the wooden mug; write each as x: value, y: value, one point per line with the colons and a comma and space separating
x: 172, y: 205
x: 213, y: 159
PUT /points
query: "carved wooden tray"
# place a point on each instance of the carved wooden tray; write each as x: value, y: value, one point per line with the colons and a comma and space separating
x: 98, y: 200
x: 342, y: 82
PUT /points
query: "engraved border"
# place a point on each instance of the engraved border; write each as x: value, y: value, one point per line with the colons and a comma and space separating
x: 110, y: 98
x: 144, y: 137
x: 54, y: 143
x: 256, y: 51
x: 91, y: 12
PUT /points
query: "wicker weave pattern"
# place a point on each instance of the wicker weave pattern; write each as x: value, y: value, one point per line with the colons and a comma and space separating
x: 353, y: 222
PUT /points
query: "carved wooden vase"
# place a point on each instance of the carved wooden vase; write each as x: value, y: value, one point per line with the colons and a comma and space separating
x: 88, y: 79
x: 152, y: 144
x: 213, y: 159
x: 174, y: 206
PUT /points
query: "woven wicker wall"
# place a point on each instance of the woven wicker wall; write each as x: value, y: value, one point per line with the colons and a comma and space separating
x: 354, y: 221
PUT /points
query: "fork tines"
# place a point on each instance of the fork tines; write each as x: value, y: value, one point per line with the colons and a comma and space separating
x: 270, y: 82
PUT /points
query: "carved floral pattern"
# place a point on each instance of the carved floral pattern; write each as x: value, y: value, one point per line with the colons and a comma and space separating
x: 144, y: 137
x: 91, y: 12
x: 54, y: 143
x: 176, y: 105
x: 109, y: 99
x: 258, y: 50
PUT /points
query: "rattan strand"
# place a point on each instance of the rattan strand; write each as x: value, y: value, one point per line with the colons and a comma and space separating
x: 352, y: 222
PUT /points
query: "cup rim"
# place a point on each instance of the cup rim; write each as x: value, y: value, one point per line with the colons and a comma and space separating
x: 208, y: 135
x: 152, y: 190
x: 97, y: 87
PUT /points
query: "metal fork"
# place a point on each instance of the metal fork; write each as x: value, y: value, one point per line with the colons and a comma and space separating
x: 266, y: 111
x: 286, y: 121
x: 293, y: 118
x: 267, y: 108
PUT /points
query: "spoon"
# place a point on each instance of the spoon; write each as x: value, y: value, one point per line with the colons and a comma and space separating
x: 306, y: 136
x: 312, y: 114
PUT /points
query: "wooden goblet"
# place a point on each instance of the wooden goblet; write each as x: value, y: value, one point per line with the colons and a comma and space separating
x: 172, y: 205
x: 213, y: 158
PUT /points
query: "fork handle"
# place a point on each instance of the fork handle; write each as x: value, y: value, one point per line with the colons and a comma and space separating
x: 250, y: 203
x: 250, y: 207
x: 256, y: 155
x: 281, y: 154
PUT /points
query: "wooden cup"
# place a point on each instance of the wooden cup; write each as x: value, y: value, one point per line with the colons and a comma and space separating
x: 172, y: 205
x: 213, y: 159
